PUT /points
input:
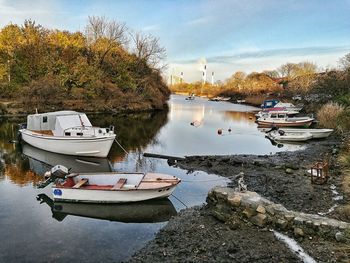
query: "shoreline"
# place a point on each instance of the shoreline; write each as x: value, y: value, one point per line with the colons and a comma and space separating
x: 196, y: 235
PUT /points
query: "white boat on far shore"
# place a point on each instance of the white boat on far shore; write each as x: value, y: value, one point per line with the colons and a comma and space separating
x: 67, y: 132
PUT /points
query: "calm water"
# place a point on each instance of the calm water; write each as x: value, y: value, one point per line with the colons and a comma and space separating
x: 34, y: 229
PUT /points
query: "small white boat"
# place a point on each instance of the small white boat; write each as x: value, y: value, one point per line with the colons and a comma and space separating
x: 67, y: 132
x: 283, y: 120
x: 191, y: 97
x: 220, y: 99
x: 316, y: 133
x: 280, y: 135
x: 110, y: 187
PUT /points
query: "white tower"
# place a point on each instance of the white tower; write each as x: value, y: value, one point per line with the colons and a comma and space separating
x: 212, y: 78
x: 181, y: 77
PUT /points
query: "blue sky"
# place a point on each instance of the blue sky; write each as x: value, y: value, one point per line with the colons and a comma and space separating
x: 227, y: 35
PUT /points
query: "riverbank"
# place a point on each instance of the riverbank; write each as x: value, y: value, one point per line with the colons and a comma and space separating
x: 10, y: 108
x: 195, y: 235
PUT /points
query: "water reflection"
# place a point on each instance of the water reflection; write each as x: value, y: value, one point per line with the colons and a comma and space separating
x: 74, y: 227
x: 142, y: 212
x: 41, y: 161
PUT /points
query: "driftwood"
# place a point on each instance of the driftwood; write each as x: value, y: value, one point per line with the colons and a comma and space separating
x: 161, y: 156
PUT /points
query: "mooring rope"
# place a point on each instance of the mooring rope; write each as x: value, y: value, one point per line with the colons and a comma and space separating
x: 179, y: 200
x: 126, y: 152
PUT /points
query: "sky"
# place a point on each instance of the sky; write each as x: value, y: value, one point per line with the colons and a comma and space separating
x: 225, y: 35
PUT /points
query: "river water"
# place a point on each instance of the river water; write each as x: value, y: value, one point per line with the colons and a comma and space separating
x: 35, y: 229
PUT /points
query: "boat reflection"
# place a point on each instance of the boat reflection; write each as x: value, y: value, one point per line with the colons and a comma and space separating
x: 40, y: 161
x: 139, y: 212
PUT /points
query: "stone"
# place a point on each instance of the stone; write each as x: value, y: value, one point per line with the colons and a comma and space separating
x: 261, y: 209
x: 298, y: 232
x: 298, y: 221
x: 289, y: 217
x: 289, y: 171
x: 248, y: 212
x: 259, y: 220
x: 340, y: 237
x: 235, y: 200
x: 281, y: 224
x: 270, y: 210
x: 292, y: 166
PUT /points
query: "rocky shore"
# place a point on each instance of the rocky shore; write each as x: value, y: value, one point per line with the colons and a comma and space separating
x: 199, y: 235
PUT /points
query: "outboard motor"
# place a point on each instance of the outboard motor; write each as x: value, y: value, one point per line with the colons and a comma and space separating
x: 58, y: 171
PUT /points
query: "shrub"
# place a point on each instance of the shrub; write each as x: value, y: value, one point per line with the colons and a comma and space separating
x: 328, y: 115
x: 343, y: 120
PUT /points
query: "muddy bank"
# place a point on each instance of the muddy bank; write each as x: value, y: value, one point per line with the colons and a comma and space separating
x: 195, y: 235
x: 281, y: 177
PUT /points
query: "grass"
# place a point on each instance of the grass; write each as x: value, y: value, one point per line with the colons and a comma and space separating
x: 328, y: 115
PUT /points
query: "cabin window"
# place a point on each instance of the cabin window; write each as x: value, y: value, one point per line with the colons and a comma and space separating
x: 273, y: 116
x: 44, y: 119
x: 281, y: 116
x: 79, y: 134
x: 67, y: 133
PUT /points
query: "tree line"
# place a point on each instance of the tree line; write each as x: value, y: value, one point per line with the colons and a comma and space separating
x: 289, y: 79
x: 107, y: 62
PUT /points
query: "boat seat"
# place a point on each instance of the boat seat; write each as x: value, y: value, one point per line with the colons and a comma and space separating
x: 80, y: 183
x: 120, y: 183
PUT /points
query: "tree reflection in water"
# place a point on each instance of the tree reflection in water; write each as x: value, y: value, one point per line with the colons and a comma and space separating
x: 134, y: 132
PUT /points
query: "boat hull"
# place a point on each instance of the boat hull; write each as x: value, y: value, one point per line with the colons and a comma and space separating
x: 316, y: 133
x: 290, y: 137
x: 109, y: 196
x: 95, y: 147
x: 284, y: 124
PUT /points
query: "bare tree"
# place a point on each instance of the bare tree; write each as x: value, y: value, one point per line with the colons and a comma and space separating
x: 105, y: 34
x: 148, y: 49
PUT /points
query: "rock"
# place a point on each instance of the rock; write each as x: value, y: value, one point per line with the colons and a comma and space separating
x: 340, y: 237
x: 248, y: 212
x: 261, y: 209
x: 289, y: 171
x: 292, y: 166
x: 234, y: 200
x: 298, y: 232
x: 259, y: 220
x: 281, y: 224
x: 298, y: 221
x: 289, y: 217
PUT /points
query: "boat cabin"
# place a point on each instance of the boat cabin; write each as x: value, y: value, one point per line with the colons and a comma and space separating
x: 269, y: 104
x: 63, y: 123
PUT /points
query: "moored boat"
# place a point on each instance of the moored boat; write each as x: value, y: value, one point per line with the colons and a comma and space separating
x: 275, y: 111
x: 282, y: 120
x: 110, y: 187
x: 280, y: 135
x: 67, y: 132
x: 316, y: 133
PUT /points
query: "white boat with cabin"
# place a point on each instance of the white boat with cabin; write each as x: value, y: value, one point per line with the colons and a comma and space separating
x: 67, y: 132
x: 110, y: 187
